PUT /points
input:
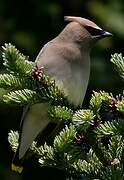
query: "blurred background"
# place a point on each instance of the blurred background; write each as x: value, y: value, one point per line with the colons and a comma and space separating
x: 29, y: 24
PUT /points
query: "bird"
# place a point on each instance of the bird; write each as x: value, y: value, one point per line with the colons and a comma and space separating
x: 66, y: 59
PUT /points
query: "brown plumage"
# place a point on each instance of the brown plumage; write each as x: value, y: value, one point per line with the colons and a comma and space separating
x: 66, y: 59
x: 83, y: 21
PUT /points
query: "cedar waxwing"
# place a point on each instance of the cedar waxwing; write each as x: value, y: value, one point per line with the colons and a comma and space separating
x: 66, y: 59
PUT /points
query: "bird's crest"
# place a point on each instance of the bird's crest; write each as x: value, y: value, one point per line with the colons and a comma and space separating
x: 83, y: 21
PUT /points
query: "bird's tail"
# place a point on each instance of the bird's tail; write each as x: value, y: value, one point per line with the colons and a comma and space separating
x: 17, y: 164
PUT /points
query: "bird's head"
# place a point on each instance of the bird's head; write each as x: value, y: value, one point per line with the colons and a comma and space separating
x: 84, y: 30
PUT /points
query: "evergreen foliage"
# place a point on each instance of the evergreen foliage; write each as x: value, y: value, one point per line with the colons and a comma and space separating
x: 118, y: 61
x: 16, y: 62
x: 91, y: 145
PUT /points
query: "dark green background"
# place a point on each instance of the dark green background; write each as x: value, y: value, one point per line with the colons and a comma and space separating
x: 29, y: 24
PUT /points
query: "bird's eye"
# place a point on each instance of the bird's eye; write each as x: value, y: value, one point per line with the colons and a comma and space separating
x: 94, y: 31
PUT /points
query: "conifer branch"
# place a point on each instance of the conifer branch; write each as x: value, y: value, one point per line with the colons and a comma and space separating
x: 13, y: 137
x: 118, y: 61
x: 12, y: 82
x: 116, y: 147
x: 83, y: 119
x: 92, y: 142
x: 16, y: 62
x: 22, y: 97
x: 63, y: 141
x: 97, y: 99
x: 62, y: 113
x: 111, y: 128
x: 120, y: 106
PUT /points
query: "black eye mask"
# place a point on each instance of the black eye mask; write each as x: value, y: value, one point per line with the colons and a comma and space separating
x: 94, y: 31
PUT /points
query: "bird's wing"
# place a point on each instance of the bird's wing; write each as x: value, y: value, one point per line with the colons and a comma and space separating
x: 35, y: 120
x: 17, y: 162
x: 25, y: 111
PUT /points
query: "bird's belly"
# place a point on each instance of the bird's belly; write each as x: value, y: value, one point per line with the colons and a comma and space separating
x: 75, y: 93
x: 75, y: 87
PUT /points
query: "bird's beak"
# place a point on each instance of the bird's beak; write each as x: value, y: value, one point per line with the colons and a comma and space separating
x: 106, y: 34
